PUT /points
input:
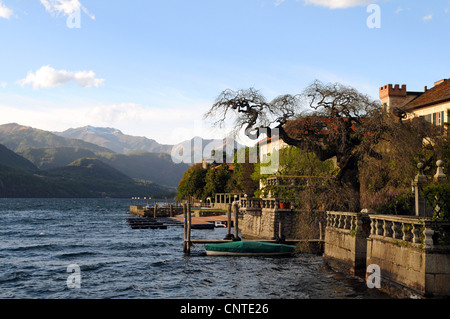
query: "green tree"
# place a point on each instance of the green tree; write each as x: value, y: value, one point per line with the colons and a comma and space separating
x: 192, y: 183
x: 241, y: 180
x: 216, y: 181
x: 337, y: 121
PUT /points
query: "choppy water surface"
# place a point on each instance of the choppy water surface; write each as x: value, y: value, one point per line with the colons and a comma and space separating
x: 40, y: 238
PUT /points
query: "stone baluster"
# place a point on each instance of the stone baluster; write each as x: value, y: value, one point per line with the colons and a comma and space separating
x: 415, y: 233
x: 346, y: 224
x: 428, y: 234
x: 373, y: 226
x: 353, y: 223
x: 386, y: 228
x: 396, y: 231
x: 406, y: 232
x: 340, y: 222
x: 380, y: 230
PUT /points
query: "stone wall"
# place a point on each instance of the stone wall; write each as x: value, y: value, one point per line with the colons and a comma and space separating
x: 261, y: 218
x: 411, y: 259
x: 346, y: 242
x: 258, y: 223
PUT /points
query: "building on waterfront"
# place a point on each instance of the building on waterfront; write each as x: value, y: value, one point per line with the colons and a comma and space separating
x: 432, y: 104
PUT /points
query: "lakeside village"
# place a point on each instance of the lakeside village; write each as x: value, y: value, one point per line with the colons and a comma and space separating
x: 361, y: 183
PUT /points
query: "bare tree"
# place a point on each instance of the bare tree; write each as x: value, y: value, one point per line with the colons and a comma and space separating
x: 331, y: 120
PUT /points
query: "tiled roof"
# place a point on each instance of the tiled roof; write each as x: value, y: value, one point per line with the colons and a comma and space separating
x: 438, y: 94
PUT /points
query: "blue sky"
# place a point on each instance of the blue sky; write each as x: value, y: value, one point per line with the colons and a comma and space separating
x: 153, y: 68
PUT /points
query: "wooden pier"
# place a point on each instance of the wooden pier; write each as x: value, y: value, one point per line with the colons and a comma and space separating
x: 189, y: 222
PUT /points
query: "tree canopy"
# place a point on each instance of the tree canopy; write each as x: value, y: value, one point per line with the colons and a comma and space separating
x: 331, y: 120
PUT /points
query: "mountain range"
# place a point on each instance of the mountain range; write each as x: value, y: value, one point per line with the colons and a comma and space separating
x: 113, y: 139
x: 89, y: 162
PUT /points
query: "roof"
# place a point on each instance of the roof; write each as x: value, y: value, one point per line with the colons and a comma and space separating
x: 230, y: 166
x: 438, y: 94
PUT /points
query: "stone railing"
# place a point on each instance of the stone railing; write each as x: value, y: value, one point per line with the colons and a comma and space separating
x: 250, y: 202
x: 270, y: 203
x: 347, y: 222
x: 409, y: 230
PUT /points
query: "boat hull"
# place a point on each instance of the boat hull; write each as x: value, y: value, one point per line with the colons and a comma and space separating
x: 248, y: 248
x: 225, y: 253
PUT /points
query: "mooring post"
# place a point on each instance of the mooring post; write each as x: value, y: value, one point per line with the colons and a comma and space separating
x: 229, y: 236
x: 155, y: 208
x: 171, y: 211
x: 185, y: 228
x: 320, y: 231
x: 188, y: 250
x: 236, y: 221
x: 280, y: 230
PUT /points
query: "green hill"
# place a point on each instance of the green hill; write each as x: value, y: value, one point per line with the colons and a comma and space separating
x: 19, y: 183
x: 90, y: 177
x: 156, y: 167
x: 48, y: 158
x: 83, y: 178
x: 11, y: 159
x: 48, y: 151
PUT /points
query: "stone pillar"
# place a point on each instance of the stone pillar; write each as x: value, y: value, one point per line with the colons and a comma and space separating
x: 440, y: 176
x: 419, y: 201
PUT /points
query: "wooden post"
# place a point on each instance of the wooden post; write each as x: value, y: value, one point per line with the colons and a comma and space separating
x: 236, y: 221
x: 229, y: 236
x: 280, y: 230
x: 185, y: 228
x: 320, y: 231
x: 171, y: 211
x: 155, y: 208
x: 188, y: 248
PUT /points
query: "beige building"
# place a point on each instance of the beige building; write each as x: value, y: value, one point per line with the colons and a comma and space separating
x: 431, y: 104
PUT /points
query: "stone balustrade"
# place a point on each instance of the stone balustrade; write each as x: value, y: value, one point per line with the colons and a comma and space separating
x: 415, y: 231
x: 259, y: 203
x: 344, y: 221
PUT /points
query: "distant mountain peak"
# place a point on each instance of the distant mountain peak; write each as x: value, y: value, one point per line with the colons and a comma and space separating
x: 115, y: 140
x: 102, y: 130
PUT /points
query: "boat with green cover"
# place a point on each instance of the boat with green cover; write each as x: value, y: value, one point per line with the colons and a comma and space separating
x: 249, y: 248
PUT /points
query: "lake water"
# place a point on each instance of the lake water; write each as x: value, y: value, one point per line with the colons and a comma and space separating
x: 41, y: 238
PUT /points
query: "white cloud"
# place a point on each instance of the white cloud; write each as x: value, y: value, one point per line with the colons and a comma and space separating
x: 5, y: 12
x: 340, y: 4
x: 48, y: 77
x: 399, y: 9
x: 3, y: 85
x: 168, y: 125
x: 278, y: 2
x: 65, y: 7
x: 427, y: 17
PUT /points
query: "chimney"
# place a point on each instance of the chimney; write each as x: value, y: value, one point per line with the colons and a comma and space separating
x: 426, y: 88
x: 439, y: 82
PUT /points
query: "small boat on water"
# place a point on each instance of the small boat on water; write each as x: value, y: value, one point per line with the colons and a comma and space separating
x: 249, y: 248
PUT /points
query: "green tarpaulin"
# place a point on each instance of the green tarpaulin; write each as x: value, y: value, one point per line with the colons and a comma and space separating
x: 250, y: 248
